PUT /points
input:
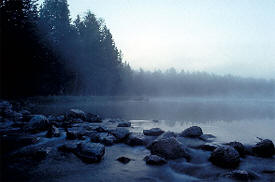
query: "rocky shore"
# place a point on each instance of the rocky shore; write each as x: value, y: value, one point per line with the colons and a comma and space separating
x: 29, y: 141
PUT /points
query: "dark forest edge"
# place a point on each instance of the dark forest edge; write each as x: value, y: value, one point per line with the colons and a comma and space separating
x: 45, y: 52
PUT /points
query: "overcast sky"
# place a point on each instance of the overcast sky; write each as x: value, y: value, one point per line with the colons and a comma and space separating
x: 219, y: 36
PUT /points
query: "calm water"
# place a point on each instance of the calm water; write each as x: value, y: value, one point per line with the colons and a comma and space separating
x: 229, y: 119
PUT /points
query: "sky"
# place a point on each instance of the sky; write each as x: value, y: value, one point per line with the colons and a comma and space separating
x: 218, y: 36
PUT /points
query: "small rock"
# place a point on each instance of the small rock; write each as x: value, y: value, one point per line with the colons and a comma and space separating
x: 169, y: 148
x: 193, y: 131
x: 264, y: 148
x: 153, y: 132
x: 155, y: 160
x: 90, y: 152
x: 53, y: 132
x: 124, y: 124
x: 225, y: 156
x: 241, y: 175
x: 123, y: 160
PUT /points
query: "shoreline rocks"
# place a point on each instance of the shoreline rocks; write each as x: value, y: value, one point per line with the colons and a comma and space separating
x: 153, y: 132
x: 225, y: 157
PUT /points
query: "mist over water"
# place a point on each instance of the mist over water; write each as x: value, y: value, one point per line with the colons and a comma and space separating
x: 230, y: 119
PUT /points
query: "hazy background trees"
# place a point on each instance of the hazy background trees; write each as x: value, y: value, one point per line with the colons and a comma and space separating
x: 45, y: 52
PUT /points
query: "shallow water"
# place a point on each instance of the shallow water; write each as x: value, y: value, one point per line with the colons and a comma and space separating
x: 227, y: 118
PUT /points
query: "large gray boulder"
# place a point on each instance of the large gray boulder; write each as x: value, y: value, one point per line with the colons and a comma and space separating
x: 264, y: 148
x: 225, y: 157
x: 169, y: 148
x: 193, y: 131
x: 153, y: 132
x: 90, y: 152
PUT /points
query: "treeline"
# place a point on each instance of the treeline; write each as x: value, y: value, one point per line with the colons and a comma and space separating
x: 184, y: 83
x: 45, y: 52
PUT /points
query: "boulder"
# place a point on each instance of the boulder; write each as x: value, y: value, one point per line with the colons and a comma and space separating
x: 53, y: 132
x: 153, y: 132
x: 169, y: 148
x: 135, y: 139
x: 225, y: 157
x: 124, y: 124
x: 123, y: 160
x: 193, y: 131
x: 154, y: 160
x: 90, y: 152
x: 76, y: 114
x: 264, y: 148
x: 238, y: 146
x: 103, y: 138
x: 120, y: 133
x: 75, y: 133
x: 93, y: 118
x: 38, y: 123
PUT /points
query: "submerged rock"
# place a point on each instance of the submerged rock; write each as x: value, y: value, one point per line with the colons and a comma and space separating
x: 124, y: 124
x: 123, y: 160
x: 153, y: 132
x: 169, y: 148
x: 154, y: 160
x: 193, y: 131
x: 225, y: 156
x: 264, y: 148
x: 90, y: 152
